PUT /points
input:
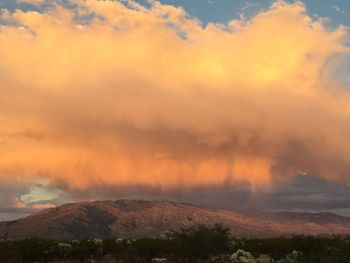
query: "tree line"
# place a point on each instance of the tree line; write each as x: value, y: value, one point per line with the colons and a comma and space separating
x: 195, y: 244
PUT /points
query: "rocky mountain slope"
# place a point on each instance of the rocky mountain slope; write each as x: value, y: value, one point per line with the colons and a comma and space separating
x: 135, y: 219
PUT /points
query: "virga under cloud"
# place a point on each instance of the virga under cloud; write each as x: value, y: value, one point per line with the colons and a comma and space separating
x: 115, y: 93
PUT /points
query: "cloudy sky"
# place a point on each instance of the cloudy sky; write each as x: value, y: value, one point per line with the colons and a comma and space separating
x: 220, y: 103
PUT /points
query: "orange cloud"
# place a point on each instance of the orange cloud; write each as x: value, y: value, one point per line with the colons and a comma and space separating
x: 120, y: 94
x: 42, y: 206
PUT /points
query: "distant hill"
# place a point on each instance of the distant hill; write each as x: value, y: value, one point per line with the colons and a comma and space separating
x: 136, y: 219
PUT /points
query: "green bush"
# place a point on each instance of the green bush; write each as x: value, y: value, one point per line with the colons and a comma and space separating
x: 200, y: 244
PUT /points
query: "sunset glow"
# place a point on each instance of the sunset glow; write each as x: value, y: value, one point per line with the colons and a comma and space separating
x: 121, y: 94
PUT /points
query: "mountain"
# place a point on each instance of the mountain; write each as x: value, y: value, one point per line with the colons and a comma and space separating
x: 135, y: 219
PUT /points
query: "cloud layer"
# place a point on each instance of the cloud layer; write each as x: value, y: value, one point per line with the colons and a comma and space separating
x: 118, y: 94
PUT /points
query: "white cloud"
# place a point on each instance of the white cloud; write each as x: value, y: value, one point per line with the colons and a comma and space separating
x: 337, y: 9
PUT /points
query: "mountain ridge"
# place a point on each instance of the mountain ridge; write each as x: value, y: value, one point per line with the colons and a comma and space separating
x: 140, y: 218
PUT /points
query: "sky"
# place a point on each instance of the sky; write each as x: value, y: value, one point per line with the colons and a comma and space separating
x: 233, y: 104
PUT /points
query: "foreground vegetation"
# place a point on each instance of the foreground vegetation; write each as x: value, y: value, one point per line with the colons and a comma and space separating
x: 197, y: 244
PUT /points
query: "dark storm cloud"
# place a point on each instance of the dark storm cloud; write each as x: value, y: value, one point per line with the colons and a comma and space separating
x: 302, y: 192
